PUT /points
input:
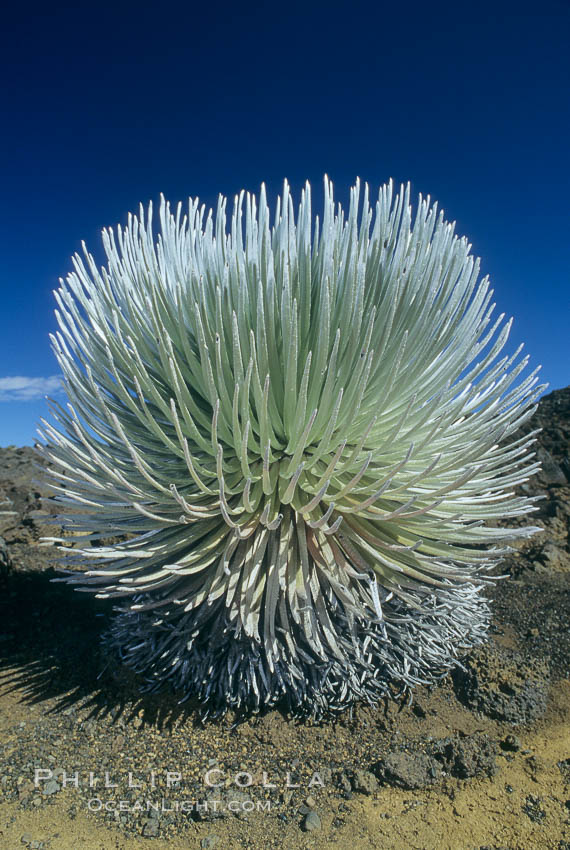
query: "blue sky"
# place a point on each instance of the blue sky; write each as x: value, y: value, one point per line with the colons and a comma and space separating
x: 104, y: 106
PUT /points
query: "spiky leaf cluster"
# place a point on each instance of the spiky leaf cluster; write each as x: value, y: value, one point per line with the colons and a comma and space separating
x: 299, y: 429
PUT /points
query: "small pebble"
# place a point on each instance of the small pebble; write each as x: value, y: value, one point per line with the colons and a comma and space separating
x: 52, y: 787
x: 150, y: 829
x: 512, y: 743
x: 312, y: 822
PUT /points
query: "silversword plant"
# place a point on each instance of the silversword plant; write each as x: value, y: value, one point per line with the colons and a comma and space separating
x: 300, y: 433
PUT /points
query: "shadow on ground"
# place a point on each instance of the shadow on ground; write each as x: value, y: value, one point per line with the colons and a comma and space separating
x: 50, y: 648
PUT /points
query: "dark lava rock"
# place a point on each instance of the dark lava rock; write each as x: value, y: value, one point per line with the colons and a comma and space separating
x: 533, y: 809
x: 364, y: 782
x: 458, y: 756
x: 503, y: 685
x: 466, y: 757
x: 408, y: 770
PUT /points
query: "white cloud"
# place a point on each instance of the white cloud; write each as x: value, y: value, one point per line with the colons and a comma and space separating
x: 20, y: 388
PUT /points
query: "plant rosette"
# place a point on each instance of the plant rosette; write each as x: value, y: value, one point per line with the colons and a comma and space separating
x: 301, y: 434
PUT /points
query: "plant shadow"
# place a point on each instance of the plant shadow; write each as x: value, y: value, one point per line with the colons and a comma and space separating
x: 50, y: 651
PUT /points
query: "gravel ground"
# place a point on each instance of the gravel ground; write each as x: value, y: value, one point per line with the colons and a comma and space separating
x: 480, y: 761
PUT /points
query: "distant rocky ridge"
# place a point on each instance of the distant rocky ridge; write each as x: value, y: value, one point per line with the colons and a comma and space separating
x: 550, y: 551
x: 553, y: 416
